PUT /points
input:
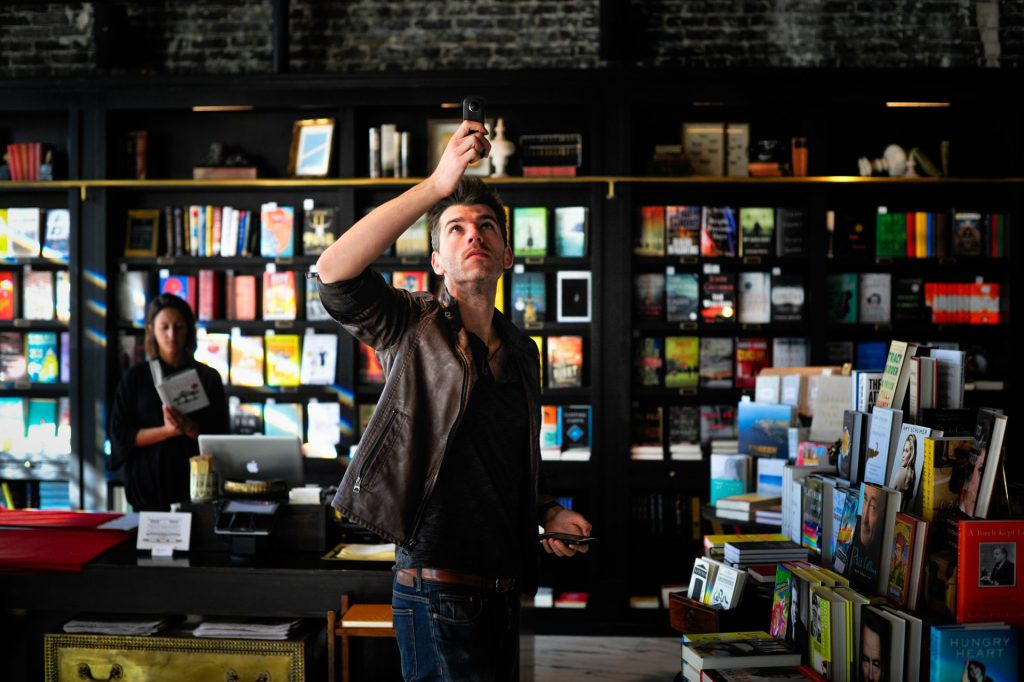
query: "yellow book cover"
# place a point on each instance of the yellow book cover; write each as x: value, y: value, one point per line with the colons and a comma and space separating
x: 208, y: 231
x: 891, y: 375
x: 921, y: 234
x: 539, y: 340
x: 820, y: 632
x: 279, y: 295
x: 246, y: 360
x: 283, y: 356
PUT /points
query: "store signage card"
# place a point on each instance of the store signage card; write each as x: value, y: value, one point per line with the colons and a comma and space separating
x: 164, y: 532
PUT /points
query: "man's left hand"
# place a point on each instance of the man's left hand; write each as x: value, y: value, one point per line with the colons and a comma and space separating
x: 565, y: 521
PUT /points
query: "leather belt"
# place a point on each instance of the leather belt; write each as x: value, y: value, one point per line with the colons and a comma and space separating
x: 407, y: 577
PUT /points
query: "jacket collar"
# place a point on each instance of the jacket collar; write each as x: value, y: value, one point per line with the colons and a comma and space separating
x: 509, y: 333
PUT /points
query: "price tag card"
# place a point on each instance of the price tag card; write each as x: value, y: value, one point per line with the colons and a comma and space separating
x: 164, y: 532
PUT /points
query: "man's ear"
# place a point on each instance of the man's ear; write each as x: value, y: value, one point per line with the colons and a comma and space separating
x: 435, y: 263
x: 508, y: 258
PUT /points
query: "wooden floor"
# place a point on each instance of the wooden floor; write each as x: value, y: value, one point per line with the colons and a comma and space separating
x: 559, y: 658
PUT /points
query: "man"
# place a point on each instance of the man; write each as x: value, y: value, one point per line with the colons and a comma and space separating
x: 448, y: 465
x: 1002, y: 571
x: 873, y: 659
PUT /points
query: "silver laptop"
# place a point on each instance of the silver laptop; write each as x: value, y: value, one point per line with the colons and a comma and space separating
x: 255, y: 458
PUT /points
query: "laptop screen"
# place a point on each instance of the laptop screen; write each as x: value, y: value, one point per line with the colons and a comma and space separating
x: 255, y: 457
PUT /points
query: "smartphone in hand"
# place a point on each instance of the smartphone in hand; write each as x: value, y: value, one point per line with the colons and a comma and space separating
x: 568, y: 538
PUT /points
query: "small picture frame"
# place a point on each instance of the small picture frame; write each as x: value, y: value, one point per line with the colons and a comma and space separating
x: 312, y: 142
x: 143, y: 233
x: 574, y: 296
x: 439, y: 132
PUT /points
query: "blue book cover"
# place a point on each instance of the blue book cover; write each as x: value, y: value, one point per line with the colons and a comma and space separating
x: 871, y: 355
x: 764, y: 429
x: 42, y: 353
x: 529, y: 295
x: 576, y: 427
x: 282, y: 419
x: 682, y: 291
x: 571, y: 231
x: 982, y: 651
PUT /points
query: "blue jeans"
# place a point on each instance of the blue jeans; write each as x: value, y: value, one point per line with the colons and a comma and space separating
x: 456, y: 633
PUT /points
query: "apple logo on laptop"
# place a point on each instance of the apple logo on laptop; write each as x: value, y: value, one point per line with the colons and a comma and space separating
x: 252, y: 467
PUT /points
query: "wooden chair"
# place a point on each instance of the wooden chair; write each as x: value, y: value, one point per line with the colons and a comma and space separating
x: 354, y: 620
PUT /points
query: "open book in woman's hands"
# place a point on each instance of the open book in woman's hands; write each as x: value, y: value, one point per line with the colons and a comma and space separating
x: 182, y: 390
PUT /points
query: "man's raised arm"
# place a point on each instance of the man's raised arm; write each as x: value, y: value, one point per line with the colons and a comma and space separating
x: 362, y: 243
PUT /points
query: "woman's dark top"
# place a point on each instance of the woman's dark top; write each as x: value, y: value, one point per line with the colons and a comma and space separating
x: 157, y: 475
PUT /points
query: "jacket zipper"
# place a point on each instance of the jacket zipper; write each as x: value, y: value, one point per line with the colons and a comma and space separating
x: 370, y: 461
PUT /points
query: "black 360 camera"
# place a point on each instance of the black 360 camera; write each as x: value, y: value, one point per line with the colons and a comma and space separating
x: 473, y: 108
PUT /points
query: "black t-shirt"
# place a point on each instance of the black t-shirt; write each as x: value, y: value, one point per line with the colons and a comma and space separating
x: 474, y: 518
x: 157, y: 475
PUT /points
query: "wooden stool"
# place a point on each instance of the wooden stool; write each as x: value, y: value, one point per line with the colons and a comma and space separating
x: 355, y: 620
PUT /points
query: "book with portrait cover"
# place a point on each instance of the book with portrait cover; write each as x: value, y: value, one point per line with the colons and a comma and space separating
x: 907, y: 467
x: 983, y: 651
x: 649, y: 237
x: 319, y: 359
x: 682, y: 297
x: 682, y: 230
x: 989, y: 585
x: 718, y: 232
x: 13, y: 365
x: 565, y: 361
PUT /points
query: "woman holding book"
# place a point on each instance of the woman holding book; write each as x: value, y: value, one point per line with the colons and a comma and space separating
x: 152, y: 440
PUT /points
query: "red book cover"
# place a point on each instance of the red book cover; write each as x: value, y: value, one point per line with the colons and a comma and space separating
x: 229, y: 300
x: 37, y: 159
x: 7, y: 298
x: 989, y: 586
x: 245, y: 297
x: 209, y: 295
x: 911, y: 234
x: 752, y: 355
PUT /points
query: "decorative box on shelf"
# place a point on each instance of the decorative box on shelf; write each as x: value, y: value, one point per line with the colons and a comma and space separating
x: 224, y: 173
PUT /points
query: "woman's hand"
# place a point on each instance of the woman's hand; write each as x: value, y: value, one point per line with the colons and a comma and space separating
x: 565, y: 521
x: 468, y: 144
x: 179, y: 424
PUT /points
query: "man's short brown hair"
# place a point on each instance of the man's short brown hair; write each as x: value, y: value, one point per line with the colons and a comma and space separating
x: 470, y: 191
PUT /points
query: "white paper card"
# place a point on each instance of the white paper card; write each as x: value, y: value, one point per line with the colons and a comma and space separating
x: 164, y: 532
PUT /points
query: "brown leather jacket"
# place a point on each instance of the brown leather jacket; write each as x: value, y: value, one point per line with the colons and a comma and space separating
x: 425, y: 353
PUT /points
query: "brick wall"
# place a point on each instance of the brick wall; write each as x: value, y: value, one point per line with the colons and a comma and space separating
x: 167, y: 36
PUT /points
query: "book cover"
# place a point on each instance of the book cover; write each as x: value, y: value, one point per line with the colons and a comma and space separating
x: 62, y: 295
x: 323, y: 432
x: 781, y: 617
x: 682, y: 230
x: 716, y: 362
x: 845, y: 533
x: 729, y: 475
x: 868, y: 541
x: 246, y: 418
x: 908, y: 464
x: 319, y: 359
x: 849, y: 233
x: 410, y: 280
x: 246, y: 360
x: 283, y: 358
x: 573, y: 300
x: 718, y: 300
x: 279, y: 299
x: 182, y: 286
x: 718, y: 232
x: 820, y: 631
x: 648, y: 361
x: 883, y: 434
x: 42, y: 357
x: 684, y: 432
x: 57, y: 243
x: 550, y: 432
x: 763, y: 428
x: 751, y: 653
x: 8, y: 296
x: 682, y: 362
x: 320, y: 229
x: 757, y: 231
x: 982, y: 651
x: 649, y: 238
x: 415, y: 241
x: 989, y: 586
x: 946, y: 467
x: 789, y: 232
x: 900, y: 560
x: 277, y: 231
x: 282, y: 419
x: 181, y: 390
x: 895, y: 374
x: 529, y: 304
x: 315, y: 310
x: 755, y: 296
x: 984, y: 463
x: 967, y: 238
x: 789, y: 351
x: 875, y: 297
x: 565, y: 361
x: 787, y: 298
x: 908, y: 300
x: 571, y: 231
x: 649, y: 295
x: 841, y: 290
x: 245, y: 297
x: 682, y: 297
x: 23, y: 226
x: 213, y: 350
x: 717, y: 423
x: 530, y: 231
x: 890, y: 235
x: 752, y: 355
x: 13, y: 362
x: 370, y: 369
x: 852, y: 443
x: 576, y: 431
x: 209, y: 284
x: 647, y: 435
x: 37, y: 298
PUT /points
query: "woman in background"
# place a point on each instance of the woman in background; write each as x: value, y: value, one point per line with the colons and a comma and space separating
x: 153, y: 441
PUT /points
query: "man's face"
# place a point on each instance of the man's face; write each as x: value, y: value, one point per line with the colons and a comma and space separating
x: 471, y: 246
x: 870, y: 514
x: 871, y: 664
x: 999, y: 554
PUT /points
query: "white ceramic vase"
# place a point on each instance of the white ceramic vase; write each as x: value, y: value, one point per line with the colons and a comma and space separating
x: 501, y: 149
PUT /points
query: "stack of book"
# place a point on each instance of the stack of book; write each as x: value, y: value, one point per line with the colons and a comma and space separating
x: 764, y: 552
x: 742, y: 507
x: 710, y: 656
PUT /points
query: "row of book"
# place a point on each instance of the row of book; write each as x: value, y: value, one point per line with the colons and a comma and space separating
x: 35, y: 426
x: 42, y: 295
x: 271, y: 359
x: 30, y: 161
x: 924, y: 234
x: 318, y: 423
x: 529, y: 297
x: 872, y: 298
x: 664, y: 515
x: 531, y: 232
x: 691, y: 362
x: 566, y: 432
x: 745, y: 298
x: 719, y: 232
x: 31, y: 232
x: 690, y: 430
x: 36, y: 357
